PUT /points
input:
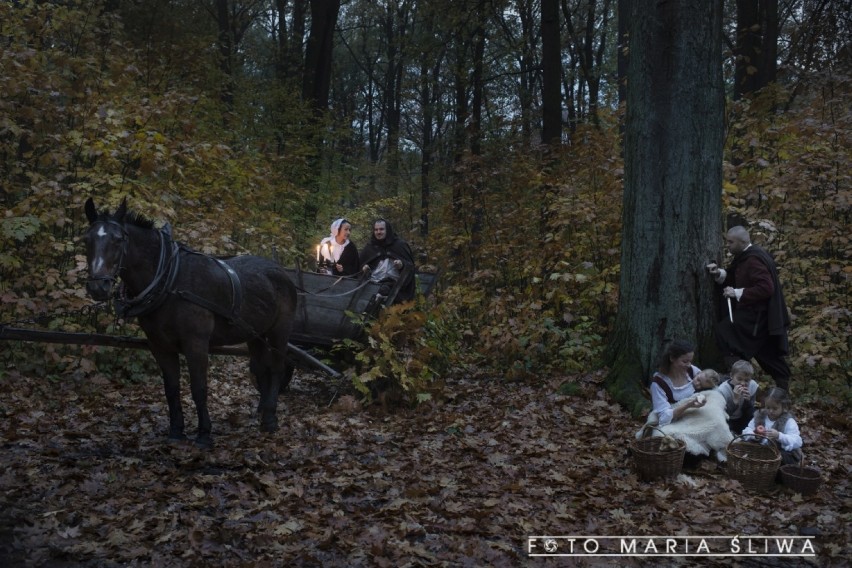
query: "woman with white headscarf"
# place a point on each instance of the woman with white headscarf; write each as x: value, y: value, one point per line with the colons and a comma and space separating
x: 339, y: 254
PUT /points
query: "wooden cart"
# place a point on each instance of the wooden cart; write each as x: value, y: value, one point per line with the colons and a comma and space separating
x: 330, y: 309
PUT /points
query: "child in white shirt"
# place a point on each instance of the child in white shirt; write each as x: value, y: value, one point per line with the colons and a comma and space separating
x: 776, y: 423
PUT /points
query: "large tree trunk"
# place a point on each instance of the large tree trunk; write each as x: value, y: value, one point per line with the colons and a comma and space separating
x: 290, y: 57
x: 551, y: 73
x: 396, y: 31
x: 476, y: 104
x: 757, y: 45
x: 426, y: 147
x: 621, y: 58
x: 317, y: 77
x: 672, y: 195
x: 430, y: 85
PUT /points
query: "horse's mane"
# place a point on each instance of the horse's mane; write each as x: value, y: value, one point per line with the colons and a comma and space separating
x: 131, y: 218
x: 138, y: 220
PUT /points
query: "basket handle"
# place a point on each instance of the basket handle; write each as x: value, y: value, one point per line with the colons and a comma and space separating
x: 651, y: 426
x: 772, y: 443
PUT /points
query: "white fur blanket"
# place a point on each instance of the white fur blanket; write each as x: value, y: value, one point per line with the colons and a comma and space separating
x: 702, y: 429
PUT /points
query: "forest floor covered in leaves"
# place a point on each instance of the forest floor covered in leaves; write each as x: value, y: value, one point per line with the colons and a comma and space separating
x: 88, y: 480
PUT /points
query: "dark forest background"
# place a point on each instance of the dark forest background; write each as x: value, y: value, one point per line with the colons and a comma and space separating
x: 489, y: 133
x: 568, y: 165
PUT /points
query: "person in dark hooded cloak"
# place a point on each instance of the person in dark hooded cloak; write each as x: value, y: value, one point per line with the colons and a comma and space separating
x: 388, y: 257
x: 756, y: 325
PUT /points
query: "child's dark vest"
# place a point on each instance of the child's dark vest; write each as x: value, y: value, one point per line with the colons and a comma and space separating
x: 780, y: 422
x: 780, y: 426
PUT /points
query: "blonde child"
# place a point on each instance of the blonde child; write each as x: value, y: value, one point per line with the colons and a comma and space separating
x: 776, y: 423
x: 739, y: 392
x: 706, y: 380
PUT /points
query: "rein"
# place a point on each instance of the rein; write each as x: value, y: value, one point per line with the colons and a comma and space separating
x: 303, y: 292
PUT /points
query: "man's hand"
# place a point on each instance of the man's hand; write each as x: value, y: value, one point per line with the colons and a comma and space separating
x: 713, y: 269
x: 729, y: 293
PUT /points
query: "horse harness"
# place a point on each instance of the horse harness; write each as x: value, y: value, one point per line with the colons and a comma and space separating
x: 231, y: 315
x: 163, y: 284
x: 157, y: 291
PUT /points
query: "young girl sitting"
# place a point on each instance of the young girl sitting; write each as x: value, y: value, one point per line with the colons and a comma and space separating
x: 739, y: 392
x: 776, y: 423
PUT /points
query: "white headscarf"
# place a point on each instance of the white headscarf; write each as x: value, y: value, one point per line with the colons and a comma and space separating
x: 329, y: 247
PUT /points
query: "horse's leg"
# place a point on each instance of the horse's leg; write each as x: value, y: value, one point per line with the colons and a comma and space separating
x: 287, y: 377
x: 197, y: 362
x: 258, y: 368
x: 255, y: 369
x: 268, y: 384
x: 169, y: 362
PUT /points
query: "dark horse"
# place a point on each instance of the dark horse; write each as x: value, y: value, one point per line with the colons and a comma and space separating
x: 187, y: 302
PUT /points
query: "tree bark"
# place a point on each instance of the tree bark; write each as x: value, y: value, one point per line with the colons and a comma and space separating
x: 290, y: 60
x: 757, y: 46
x: 425, y: 146
x: 551, y: 76
x: 396, y: 31
x: 476, y: 104
x: 622, y: 44
x: 318, y: 54
x: 672, y: 196
x: 297, y: 36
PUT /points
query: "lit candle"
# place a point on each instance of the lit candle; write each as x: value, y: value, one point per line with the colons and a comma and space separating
x: 318, y: 254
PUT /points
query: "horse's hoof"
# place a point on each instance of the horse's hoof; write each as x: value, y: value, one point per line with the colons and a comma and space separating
x: 269, y: 426
x: 204, y: 443
x: 176, y: 438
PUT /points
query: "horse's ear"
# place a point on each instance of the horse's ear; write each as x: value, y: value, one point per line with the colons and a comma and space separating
x: 122, y: 210
x: 91, y: 212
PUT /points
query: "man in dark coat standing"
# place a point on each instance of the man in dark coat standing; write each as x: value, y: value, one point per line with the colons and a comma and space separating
x: 388, y: 257
x: 755, y: 317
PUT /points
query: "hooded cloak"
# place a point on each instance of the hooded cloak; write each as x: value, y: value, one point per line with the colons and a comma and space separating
x: 392, y: 247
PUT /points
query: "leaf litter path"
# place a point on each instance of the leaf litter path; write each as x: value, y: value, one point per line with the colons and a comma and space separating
x: 88, y: 480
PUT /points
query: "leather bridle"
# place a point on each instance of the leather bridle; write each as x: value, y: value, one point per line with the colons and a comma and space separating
x: 112, y: 278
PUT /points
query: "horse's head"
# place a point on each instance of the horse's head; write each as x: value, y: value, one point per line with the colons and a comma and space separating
x: 106, y: 245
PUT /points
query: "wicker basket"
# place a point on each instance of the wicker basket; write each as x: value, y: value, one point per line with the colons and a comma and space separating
x: 652, y: 462
x: 804, y: 480
x: 753, y: 464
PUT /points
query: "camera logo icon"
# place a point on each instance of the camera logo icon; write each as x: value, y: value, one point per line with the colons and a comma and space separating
x: 550, y: 546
